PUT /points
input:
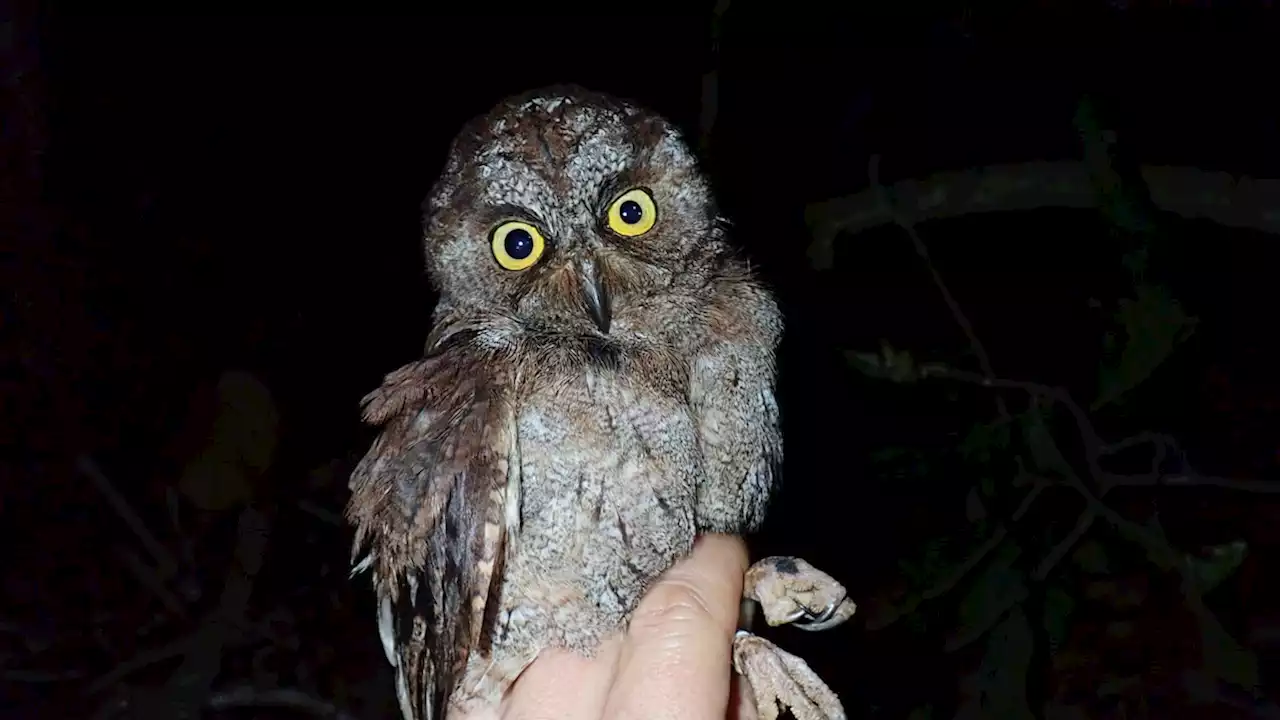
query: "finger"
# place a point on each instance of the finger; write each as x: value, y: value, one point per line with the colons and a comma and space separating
x: 675, y: 662
x: 563, y: 684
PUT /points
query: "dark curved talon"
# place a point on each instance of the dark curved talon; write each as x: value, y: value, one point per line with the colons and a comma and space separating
x: 799, y: 615
x: 803, y: 617
x: 833, y: 615
x: 808, y: 619
x: 791, y: 591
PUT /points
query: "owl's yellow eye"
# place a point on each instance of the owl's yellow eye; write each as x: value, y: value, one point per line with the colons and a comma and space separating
x: 517, y: 245
x: 633, y: 213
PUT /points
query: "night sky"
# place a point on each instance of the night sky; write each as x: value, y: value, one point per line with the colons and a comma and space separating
x: 236, y: 193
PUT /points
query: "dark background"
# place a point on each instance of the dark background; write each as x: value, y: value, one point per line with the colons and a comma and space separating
x: 240, y: 193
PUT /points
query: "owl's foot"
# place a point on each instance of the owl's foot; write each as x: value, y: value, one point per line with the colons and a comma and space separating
x: 780, y: 680
x: 791, y: 590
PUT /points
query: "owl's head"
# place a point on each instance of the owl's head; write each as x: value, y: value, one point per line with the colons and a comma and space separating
x: 571, y: 213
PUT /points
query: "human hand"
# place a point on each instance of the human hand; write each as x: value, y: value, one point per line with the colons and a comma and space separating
x: 674, y: 661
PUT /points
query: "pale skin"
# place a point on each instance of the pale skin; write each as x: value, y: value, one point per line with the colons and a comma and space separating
x: 674, y: 661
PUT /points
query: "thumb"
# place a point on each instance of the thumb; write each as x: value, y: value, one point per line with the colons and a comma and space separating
x: 677, y: 657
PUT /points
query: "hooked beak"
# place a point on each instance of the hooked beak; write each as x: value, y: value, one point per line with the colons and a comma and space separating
x: 595, y: 296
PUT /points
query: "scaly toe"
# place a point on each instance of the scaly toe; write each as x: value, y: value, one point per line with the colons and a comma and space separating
x: 779, y: 679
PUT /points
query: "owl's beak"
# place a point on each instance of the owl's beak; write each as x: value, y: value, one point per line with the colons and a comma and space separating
x: 595, y: 296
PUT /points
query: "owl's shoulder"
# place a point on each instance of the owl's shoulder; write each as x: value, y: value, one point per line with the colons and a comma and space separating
x: 740, y: 306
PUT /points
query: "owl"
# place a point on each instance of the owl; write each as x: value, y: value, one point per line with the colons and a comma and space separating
x: 597, y: 389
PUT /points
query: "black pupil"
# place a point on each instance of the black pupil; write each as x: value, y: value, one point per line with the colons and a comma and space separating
x: 631, y: 212
x: 519, y: 243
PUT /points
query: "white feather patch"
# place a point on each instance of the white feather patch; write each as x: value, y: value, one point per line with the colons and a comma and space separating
x: 402, y: 694
x: 386, y: 630
x: 511, y: 508
x: 363, y: 565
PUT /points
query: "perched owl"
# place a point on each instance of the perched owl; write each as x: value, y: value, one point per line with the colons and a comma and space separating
x: 597, y: 389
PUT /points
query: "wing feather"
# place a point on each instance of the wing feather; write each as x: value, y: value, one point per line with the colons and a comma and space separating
x: 429, y: 503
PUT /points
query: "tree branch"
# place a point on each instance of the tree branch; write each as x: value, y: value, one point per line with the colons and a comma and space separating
x: 1157, y: 549
x: 1264, y: 487
x: 1239, y: 202
x: 827, y: 222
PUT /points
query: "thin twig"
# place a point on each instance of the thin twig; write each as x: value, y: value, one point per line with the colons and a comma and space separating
x: 168, y: 566
x: 1160, y: 440
x: 238, y: 636
x: 322, y: 514
x: 955, y: 642
x: 1088, y: 435
x: 291, y: 698
x: 39, y: 676
x: 711, y: 80
x: 1095, y: 448
x: 189, y: 686
x: 944, y: 586
x: 975, y: 345
x: 992, y: 543
x: 152, y: 582
x: 139, y: 661
x: 959, y: 640
x: 1060, y: 550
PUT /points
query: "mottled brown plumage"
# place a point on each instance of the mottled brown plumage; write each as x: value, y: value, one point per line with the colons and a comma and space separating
x: 597, y: 389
